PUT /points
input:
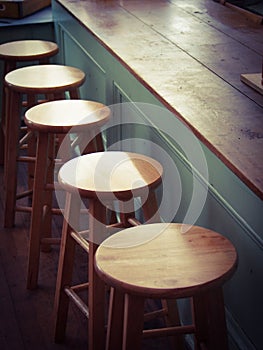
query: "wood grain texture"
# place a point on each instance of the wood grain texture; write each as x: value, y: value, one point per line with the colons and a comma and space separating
x: 111, y: 175
x: 65, y: 115
x: 190, y: 57
x: 27, y: 50
x: 51, y: 78
x: 254, y: 81
x: 166, y: 260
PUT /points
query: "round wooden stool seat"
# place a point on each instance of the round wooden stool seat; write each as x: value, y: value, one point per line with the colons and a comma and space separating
x: 103, y: 178
x: 27, y: 50
x: 111, y: 175
x: 44, y: 79
x: 14, y: 52
x: 82, y: 120
x: 63, y: 115
x: 168, y: 261
x: 52, y: 81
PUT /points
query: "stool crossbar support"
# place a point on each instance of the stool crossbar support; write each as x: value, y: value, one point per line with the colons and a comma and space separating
x: 77, y: 301
x: 168, y: 331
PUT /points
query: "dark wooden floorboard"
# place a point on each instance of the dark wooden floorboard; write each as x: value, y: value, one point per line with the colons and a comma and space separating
x: 26, y: 317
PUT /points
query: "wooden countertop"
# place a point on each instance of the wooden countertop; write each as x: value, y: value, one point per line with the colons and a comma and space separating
x: 190, y: 55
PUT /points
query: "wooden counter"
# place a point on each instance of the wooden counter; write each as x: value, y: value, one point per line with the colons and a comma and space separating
x: 190, y: 55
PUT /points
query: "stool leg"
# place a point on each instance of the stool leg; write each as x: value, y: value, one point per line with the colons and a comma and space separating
x: 127, y: 211
x: 173, y: 319
x: 44, y: 60
x: 47, y: 206
x: 8, y: 66
x: 115, y: 320
x: 151, y: 214
x: 99, y: 142
x: 36, y: 224
x: 97, y: 216
x: 2, y: 141
x: 89, y: 143
x: 57, y: 96
x: 209, y: 319
x: 31, y: 144
x: 132, y: 330
x: 65, y: 266
x: 4, y: 122
x: 74, y: 93
x: 150, y: 208
x: 63, y: 147
x: 11, y: 152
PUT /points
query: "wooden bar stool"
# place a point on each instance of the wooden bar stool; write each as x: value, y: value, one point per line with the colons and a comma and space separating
x: 14, y: 52
x: 111, y: 181
x: 80, y: 122
x: 166, y: 261
x: 52, y: 81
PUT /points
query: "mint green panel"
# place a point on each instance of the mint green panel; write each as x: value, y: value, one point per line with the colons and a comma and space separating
x: 94, y: 87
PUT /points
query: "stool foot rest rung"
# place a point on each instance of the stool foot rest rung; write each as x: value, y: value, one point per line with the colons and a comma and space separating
x: 24, y: 194
x: 80, y: 287
x: 134, y: 222
x: 25, y: 103
x: 154, y: 314
x: 50, y: 240
x: 82, y: 237
x: 26, y: 159
x: 25, y: 138
x: 77, y: 300
x: 57, y: 211
x: 168, y: 331
x: 23, y: 209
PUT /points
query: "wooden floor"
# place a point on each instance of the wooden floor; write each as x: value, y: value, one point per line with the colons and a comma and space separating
x: 26, y: 316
